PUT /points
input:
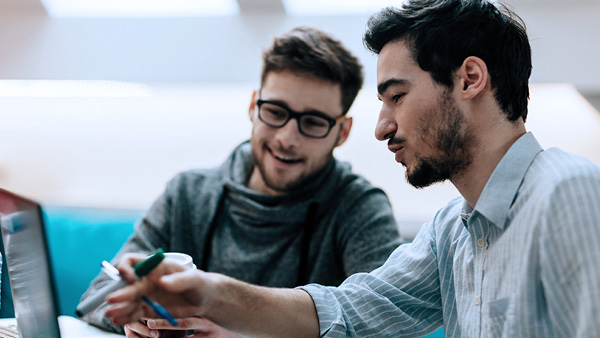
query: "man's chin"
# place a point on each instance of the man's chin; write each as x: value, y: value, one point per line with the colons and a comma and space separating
x: 281, y: 189
x: 418, y: 182
x: 421, y: 184
x: 281, y: 186
x: 424, y: 176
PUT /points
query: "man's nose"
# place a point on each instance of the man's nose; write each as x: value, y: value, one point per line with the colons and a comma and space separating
x: 289, y: 134
x: 386, y: 127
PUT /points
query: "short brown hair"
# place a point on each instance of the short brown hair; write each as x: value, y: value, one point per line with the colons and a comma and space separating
x: 313, y: 52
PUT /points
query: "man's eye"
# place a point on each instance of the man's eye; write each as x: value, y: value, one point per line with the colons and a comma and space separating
x: 277, y: 113
x: 397, y: 97
x: 314, y: 121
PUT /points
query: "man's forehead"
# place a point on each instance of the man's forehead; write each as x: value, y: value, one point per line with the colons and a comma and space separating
x: 303, y: 93
x: 395, y: 53
x: 396, y: 66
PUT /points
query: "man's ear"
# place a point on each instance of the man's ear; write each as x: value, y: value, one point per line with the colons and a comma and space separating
x: 472, y: 77
x: 344, y: 132
x: 252, y: 107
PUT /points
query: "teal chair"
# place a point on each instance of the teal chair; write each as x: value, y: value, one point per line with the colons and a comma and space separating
x: 79, y: 239
x: 437, y: 334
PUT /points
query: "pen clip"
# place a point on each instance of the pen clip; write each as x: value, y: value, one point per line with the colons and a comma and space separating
x: 110, y: 270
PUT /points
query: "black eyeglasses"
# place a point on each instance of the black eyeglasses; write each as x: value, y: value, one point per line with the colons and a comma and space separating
x: 315, y: 125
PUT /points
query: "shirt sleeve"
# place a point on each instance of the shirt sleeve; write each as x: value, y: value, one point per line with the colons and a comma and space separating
x: 570, y: 257
x: 400, y: 299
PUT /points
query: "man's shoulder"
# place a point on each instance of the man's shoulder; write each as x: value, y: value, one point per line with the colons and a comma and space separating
x: 449, y: 213
x: 554, y: 166
x: 350, y: 180
x: 197, y: 174
x: 194, y: 181
x: 558, y: 177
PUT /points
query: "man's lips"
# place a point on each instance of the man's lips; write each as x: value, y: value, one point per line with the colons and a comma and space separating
x: 284, y: 158
x: 394, y: 148
x: 397, y: 150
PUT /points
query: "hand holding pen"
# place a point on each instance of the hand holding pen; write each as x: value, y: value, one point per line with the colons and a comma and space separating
x: 140, y: 270
x: 180, y: 289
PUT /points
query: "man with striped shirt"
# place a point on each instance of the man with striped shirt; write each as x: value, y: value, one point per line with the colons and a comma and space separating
x: 517, y: 255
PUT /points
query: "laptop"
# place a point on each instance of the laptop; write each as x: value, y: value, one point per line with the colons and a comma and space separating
x: 30, y: 272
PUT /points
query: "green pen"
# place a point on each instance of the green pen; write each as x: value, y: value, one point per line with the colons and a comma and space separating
x: 143, y: 268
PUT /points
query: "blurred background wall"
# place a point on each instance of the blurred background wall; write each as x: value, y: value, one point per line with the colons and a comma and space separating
x: 100, y: 108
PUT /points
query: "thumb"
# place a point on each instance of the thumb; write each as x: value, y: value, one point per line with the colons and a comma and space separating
x: 180, y: 281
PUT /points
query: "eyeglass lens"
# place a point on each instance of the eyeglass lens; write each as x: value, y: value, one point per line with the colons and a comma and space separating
x: 310, y: 125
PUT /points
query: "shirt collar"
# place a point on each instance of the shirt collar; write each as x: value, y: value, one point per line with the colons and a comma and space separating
x: 502, y: 186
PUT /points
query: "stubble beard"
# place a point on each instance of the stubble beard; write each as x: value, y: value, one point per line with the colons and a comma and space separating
x: 288, y: 186
x: 453, y: 140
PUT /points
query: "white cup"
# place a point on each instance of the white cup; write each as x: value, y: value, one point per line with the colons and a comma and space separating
x: 181, y: 259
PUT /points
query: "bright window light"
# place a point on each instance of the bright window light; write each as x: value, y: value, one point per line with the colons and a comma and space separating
x: 336, y: 7
x: 71, y: 88
x: 140, y: 8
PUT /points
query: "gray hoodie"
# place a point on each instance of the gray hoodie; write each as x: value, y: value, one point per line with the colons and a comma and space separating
x: 325, y: 231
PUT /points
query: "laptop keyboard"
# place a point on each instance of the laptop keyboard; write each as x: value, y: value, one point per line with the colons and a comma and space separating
x: 9, y: 331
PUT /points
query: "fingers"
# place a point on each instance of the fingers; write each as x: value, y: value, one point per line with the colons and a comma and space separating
x: 190, y: 327
x: 127, y: 312
x: 137, y: 330
x: 129, y: 293
x: 129, y: 260
x: 126, y: 264
x: 189, y: 323
x: 163, y: 330
x: 126, y: 305
x: 187, y: 280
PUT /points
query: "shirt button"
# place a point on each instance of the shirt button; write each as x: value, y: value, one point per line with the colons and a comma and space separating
x: 477, y: 301
x: 480, y: 242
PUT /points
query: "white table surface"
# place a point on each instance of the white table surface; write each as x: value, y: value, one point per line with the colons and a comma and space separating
x: 71, y: 327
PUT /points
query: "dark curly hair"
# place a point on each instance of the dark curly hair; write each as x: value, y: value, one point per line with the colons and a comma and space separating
x: 443, y: 33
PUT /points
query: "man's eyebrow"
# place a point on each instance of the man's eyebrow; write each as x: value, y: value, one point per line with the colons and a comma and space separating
x: 383, y: 87
x: 283, y: 104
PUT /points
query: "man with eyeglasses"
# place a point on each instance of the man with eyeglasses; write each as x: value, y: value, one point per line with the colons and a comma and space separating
x: 281, y: 211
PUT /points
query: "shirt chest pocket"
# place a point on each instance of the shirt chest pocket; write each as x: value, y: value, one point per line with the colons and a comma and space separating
x: 495, y: 316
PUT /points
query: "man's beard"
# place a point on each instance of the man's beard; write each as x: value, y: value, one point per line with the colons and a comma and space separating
x: 453, y: 144
x: 289, y: 186
x: 285, y: 187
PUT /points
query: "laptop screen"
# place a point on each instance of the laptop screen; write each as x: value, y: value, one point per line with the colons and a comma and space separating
x: 28, y: 264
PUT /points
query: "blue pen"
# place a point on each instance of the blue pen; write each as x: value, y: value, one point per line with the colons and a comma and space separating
x: 159, y: 310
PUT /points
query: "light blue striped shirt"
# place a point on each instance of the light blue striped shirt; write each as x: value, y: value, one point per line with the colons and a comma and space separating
x: 525, y: 262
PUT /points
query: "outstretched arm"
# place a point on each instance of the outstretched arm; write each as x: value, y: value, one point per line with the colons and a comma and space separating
x: 243, y: 308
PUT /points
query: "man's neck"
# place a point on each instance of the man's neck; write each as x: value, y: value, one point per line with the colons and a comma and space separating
x: 257, y: 183
x: 492, y: 145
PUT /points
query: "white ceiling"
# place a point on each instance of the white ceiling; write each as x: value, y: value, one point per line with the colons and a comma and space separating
x: 565, y: 37
x: 184, y: 8
x: 225, y: 7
